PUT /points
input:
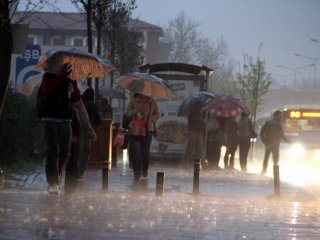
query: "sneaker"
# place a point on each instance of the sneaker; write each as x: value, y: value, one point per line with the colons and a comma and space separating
x: 53, y: 189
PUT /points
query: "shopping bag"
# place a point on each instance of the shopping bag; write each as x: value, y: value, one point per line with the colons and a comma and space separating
x: 119, y: 139
x: 137, y: 127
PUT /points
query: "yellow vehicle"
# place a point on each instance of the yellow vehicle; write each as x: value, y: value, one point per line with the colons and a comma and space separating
x: 301, y: 124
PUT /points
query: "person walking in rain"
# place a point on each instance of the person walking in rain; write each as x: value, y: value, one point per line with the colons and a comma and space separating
x: 105, y: 109
x: 271, y: 134
x: 143, y: 108
x: 82, y: 135
x: 54, y: 108
x: 217, y: 137
x: 232, y: 143
x: 88, y: 123
x: 196, y: 126
x: 246, y: 132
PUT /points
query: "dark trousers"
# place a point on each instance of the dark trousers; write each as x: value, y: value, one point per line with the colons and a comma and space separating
x: 213, y: 154
x: 84, y: 158
x: 244, y: 147
x: 58, y: 140
x: 275, y: 156
x: 141, y: 153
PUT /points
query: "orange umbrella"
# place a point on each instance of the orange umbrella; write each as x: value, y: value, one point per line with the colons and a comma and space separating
x: 147, y: 85
x: 83, y: 64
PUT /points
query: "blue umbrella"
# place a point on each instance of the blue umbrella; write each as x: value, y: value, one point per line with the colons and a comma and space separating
x: 112, y: 93
x: 203, y: 97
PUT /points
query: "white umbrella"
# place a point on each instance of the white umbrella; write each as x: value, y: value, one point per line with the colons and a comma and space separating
x: 145, y: 84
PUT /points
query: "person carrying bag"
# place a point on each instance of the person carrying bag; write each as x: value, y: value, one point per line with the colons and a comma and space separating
x: 144, y: 113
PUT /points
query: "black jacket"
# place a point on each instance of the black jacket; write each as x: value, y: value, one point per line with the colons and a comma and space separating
x: 57, y: 104
x: 272, y: 133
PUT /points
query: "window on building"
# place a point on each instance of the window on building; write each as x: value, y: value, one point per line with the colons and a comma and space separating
x: 58, y: 41
x: 31, y: 40
x: 78, y: 42
x: 94, y: 42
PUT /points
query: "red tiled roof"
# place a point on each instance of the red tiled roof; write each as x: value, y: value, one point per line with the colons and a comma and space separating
x: 74, y: 21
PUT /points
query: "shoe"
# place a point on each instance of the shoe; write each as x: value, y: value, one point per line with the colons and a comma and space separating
x: 144, y: 173
x: 53, y: 189
x: 263, y: 172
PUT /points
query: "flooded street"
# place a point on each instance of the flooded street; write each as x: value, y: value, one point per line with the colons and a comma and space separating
x: 231, y: 205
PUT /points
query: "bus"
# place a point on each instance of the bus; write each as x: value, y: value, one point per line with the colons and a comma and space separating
x: 301, y: 124
x: 170, y: 142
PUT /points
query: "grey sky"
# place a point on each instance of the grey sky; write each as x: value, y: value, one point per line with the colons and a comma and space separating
x: 284, y: 26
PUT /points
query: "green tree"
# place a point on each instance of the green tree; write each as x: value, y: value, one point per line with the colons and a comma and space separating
x: 20, y: 130
x: 253, y: 84
x: 8, y: 10
x: 115, y: 29
x: 6, y: 45
x: 184, y: 43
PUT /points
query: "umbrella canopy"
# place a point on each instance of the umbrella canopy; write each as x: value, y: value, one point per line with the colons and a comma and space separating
x: 112, y: 92
x: 83, y: 64
x: 31, y: 85
x: 145, y: 84
x: 203, y: 97
x: 225, y: 106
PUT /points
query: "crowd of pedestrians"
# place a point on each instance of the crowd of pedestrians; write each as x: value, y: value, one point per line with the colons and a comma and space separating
x: 233, y: 133
x: 70, y: 116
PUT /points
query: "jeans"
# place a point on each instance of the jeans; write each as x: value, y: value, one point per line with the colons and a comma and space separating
x: 244, y: 147
x: 213, y: 154
x: 58, y: 141
x: 141, y: 153
x: 275, y: 156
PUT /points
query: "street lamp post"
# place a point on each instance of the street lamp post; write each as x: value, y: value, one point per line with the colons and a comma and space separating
x: 315, y: 60
x: 295, y: 72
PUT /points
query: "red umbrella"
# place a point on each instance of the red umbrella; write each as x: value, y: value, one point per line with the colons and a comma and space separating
x: 225, y: 106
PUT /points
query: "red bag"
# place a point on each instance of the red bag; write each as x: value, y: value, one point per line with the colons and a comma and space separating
x: 137, y: 127
x: 119, y: 139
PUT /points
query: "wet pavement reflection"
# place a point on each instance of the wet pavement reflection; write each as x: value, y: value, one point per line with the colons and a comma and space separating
x: 231, y: 205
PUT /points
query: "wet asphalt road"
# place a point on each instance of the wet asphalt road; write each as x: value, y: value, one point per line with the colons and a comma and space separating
x: 231, y: 205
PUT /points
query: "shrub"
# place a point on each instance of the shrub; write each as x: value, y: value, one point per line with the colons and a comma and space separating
x: 20, y: 130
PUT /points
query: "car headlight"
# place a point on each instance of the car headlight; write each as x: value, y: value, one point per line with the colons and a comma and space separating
x: 317, y: 154
x: 297, y: 150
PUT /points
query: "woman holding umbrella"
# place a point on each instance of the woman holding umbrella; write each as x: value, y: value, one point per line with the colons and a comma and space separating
x: 143, y: 109
x: 196, y: 126
x: 222, y: 108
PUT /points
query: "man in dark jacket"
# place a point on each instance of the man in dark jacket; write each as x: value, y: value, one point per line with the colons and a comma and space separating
x: 56, y: 116
x: 271, y: 135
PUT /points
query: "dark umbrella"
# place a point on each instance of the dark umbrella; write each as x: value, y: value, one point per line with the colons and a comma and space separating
x: 225, y: 106
x: 82, y: 64
x: 112, y: 93
x: 203, y: 97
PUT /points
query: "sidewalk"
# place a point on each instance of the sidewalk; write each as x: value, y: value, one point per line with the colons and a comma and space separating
x: 231, y: 205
